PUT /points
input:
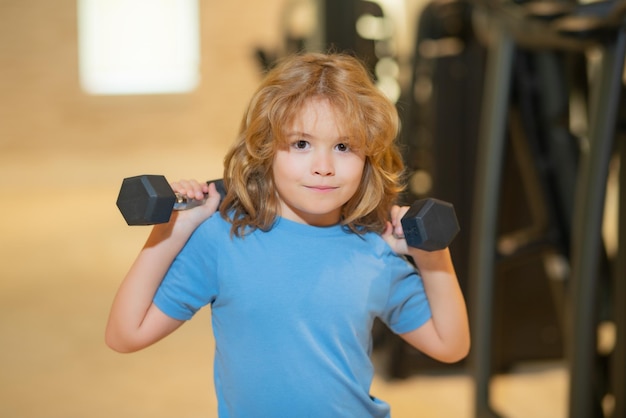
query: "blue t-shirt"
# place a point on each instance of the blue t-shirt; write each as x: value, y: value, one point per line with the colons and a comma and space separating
x: 292, y: 313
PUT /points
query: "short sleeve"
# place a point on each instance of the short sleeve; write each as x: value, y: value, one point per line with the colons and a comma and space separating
x: 407, y: 306
x: 190, y: 283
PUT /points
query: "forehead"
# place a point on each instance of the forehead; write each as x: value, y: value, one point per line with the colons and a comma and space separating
x: 318, y: 113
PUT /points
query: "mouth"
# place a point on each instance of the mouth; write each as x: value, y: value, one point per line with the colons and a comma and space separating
x: 322, y: 188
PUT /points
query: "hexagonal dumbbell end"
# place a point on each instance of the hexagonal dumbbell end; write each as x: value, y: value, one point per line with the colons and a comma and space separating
x: 146, y: 200
x: 430, y: 224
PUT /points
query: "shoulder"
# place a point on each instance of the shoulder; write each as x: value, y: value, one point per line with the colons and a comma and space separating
x: 210, y: 232
x: 216, y: 223
x: 378, y: 244
x: 398, y: 264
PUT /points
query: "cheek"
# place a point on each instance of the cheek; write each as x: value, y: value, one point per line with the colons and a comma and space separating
x: 358, y: 172
x: 283, y: 166
x: 357, y: 169
x: 286, y: 171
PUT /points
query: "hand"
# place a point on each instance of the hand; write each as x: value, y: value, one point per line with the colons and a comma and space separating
x: 193, y: 189
x: 393, y: 233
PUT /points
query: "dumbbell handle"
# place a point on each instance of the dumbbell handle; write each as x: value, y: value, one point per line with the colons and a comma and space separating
x: 184, y: 202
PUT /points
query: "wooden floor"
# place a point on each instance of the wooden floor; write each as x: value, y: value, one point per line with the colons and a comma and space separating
x: 64, y: 247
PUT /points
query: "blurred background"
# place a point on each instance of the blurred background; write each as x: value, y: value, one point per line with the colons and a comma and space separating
x: 511, y: 110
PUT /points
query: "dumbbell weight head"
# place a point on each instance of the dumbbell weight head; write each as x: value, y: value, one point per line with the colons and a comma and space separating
x: 430, y: 224
x: 146, y: 200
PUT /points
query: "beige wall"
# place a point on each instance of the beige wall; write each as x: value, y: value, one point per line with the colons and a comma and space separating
x: 43, y: 108
x: 64, y: 247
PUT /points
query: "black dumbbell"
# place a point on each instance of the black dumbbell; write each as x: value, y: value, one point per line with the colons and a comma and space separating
x: 149, y: 199
x: 430, y: 224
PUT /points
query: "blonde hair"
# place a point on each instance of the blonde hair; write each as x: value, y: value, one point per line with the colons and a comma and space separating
x: 370, y: 118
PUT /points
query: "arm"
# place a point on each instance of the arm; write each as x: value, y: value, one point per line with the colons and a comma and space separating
x: 134, y: 321
x: 446, y: 335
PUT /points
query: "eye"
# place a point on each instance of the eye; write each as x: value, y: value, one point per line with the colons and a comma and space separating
x: 300, y: 144
x: 342, y: 147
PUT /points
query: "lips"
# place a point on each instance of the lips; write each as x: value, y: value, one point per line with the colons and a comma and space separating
x: 322, y: 188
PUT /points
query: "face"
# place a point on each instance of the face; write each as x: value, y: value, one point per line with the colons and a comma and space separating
x: 318, y: 172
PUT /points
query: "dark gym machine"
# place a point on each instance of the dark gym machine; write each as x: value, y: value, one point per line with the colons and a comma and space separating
x: 334, y: 26
x: 537, y: 190
x: 440, y: 138
x: 564, y: 27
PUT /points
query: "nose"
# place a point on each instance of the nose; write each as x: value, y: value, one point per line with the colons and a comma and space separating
x: 323, y: 164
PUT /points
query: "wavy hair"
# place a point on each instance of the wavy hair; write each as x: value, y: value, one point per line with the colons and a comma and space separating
x: 367, y: 115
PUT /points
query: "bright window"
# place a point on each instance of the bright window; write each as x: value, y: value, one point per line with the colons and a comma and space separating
x: 138, y: 46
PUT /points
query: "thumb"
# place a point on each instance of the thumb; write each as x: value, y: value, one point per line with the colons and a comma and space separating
x: 397, y: 243
x: 214, y: 198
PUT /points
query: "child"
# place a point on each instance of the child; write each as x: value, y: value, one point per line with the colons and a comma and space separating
x: 303, y: 255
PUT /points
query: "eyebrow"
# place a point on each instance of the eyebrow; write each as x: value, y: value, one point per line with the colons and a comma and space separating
x: 299, y: 133
x: 307, y: 135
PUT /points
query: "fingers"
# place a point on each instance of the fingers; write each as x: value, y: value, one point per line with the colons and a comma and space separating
x: 191, y: 188
x: 202, y: 201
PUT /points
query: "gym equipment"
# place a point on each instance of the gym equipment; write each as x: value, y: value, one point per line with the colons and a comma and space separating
x: 367, y: 29
x: 149, y: 199
x: 430, y: 224
x: 514, y: 27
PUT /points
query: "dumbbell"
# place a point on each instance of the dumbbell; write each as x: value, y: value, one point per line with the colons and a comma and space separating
x: 430, y: 224
x: 149, y: 199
